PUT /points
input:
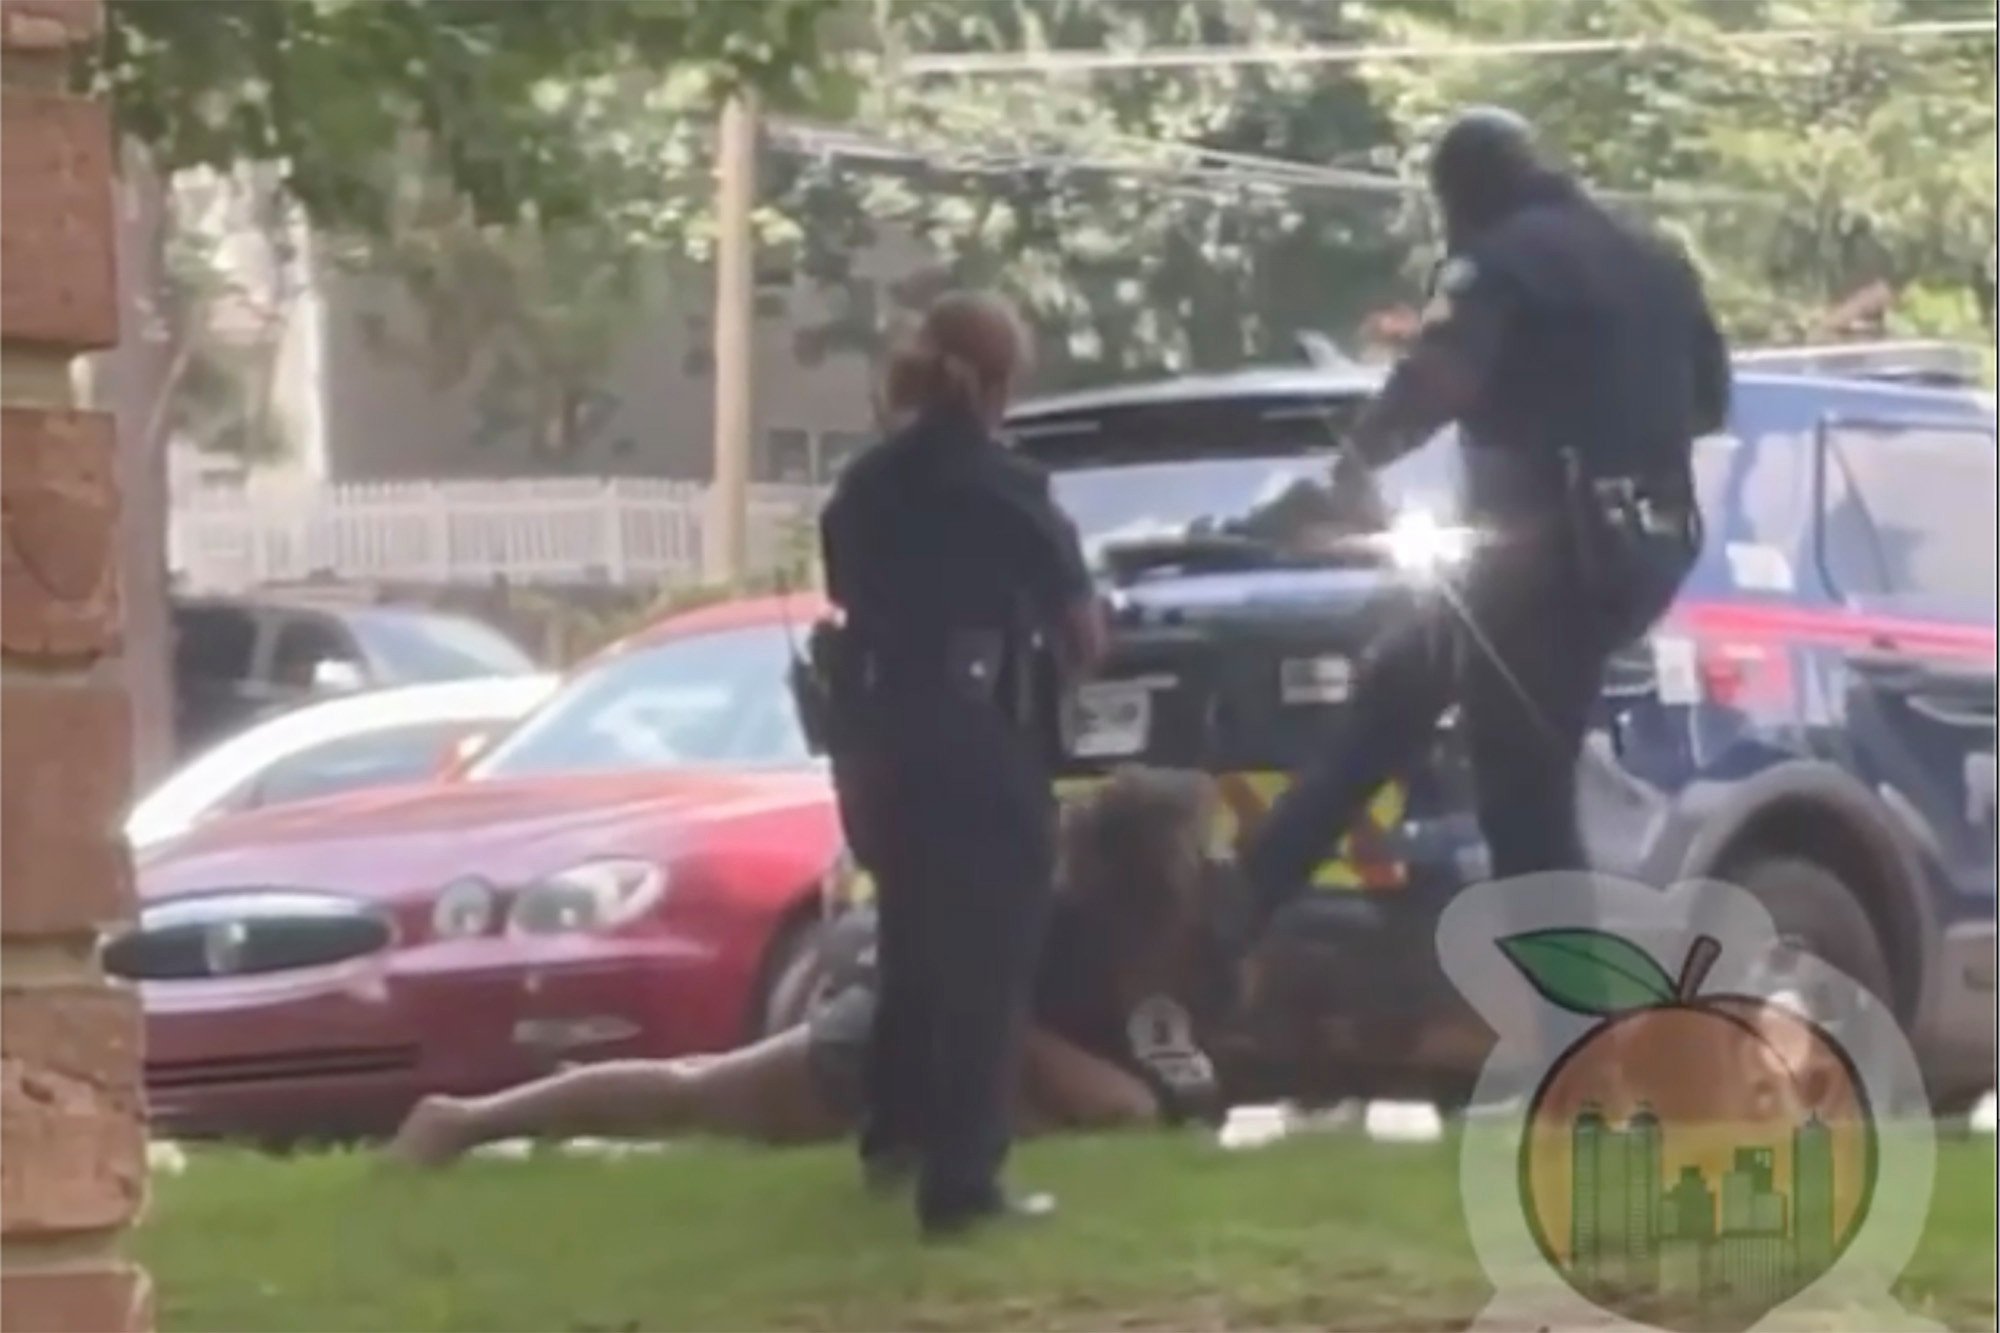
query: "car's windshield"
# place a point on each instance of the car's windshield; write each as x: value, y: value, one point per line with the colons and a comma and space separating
x: 414, y: 647
x: 1148, y: 469
x: 1136, y: 501
x: 405, y: 753
x: 704, y: 701
x: 220, y: 778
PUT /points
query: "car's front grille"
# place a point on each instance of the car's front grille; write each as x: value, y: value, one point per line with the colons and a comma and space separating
x: 245, y: 933
x: 180, y: 1075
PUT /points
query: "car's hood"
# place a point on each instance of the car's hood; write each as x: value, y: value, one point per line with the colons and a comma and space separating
x: 398, y: 841
x: 1257, y: 594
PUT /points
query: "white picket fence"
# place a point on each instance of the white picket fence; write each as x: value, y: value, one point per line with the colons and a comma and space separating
x: 226, y: 537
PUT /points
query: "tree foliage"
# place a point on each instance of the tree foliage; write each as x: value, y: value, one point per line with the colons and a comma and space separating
x: 1128, y: 212
x: 348, y: 98
x: 529, y: 169
x: 226, y: 333
x: 1838, y: 185
x: 1829, y: 187
x: 512, y: 164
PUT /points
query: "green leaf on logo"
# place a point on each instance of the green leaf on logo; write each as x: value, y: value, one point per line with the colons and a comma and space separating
x: 1588, y: 971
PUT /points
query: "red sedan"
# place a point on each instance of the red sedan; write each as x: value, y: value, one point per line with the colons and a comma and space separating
x: 634, y: 870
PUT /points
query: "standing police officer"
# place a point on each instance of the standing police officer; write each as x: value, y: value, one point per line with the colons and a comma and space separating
x: 950, y: 565
x: 1581, y: 361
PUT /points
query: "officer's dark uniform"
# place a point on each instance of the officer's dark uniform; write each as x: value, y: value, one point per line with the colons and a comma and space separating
x: 944, y: 552
x: 1581, y: 361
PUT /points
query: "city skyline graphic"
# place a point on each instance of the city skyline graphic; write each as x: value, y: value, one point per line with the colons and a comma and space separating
x: 1703, y: 1152
x: 1699, y: 1149
x: 1645, y: 1225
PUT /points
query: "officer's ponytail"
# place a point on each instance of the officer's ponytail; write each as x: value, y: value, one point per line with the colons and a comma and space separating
x: 968, y: 355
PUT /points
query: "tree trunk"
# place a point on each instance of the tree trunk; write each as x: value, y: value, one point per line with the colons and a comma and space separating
x: 133, y: 381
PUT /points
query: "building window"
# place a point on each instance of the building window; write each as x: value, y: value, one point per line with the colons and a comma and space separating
x: 837, y: 449
x: 776, y: 270
x: 788, y: 456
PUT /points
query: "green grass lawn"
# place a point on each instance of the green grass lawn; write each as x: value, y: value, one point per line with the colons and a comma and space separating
x: 1325, y: 1231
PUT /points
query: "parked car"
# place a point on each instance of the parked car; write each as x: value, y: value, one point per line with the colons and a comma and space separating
x: 630, y: 871
x: 371, y: 739
x: 1814, y: 721
x: 240, y: 659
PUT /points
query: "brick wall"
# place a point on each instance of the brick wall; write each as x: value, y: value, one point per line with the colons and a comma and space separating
x: 72, y: 1127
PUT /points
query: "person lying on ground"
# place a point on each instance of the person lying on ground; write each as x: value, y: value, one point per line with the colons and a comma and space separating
x: 1128, y: 966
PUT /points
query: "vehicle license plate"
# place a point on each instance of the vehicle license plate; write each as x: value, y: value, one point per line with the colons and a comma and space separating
x: 1112, y: 720
x: 1316, y: 680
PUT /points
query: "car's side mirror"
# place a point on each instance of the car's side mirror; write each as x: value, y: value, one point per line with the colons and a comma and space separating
x: 333, y: 675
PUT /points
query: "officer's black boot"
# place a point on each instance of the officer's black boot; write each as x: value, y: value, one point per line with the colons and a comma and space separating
x: 955, y: 1224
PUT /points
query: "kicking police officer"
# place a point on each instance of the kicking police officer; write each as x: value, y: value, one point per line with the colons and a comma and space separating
x: 1581, y: 361
x: 956, y: 579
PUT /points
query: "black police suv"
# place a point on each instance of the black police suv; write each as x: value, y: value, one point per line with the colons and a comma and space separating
x: 1814, y: 721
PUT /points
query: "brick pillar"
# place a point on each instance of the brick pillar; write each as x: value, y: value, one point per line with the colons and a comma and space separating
x: 72, y: 1128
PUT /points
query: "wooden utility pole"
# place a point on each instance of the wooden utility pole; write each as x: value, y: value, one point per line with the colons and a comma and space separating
x: 727, y: 528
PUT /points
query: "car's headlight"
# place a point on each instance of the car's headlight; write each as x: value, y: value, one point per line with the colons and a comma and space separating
x: 1418, y: 544
x: 464, y: 908
x: 596, y: 895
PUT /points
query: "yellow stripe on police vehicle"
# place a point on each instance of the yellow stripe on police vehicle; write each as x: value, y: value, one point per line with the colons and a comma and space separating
x: 1247, y: 798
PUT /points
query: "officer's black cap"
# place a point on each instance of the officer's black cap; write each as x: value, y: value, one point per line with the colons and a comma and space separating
x: 1482, y: 160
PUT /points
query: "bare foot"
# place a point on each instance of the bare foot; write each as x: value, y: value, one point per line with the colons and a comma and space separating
x: 432, y: 1134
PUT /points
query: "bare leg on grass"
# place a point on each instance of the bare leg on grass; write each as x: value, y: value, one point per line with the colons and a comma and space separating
x: 766, y: 1093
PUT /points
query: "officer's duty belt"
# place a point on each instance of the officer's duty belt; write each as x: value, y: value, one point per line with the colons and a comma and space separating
x: 1655, y: 506
x: 969, y: 662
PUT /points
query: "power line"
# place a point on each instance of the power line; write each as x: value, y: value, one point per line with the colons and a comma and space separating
x: 1004, y: 63
x: 1225, y: 167
x: 1292, y: 171
x: 991, y: 159
x: 1217, y: 163
x: 1233, y: 174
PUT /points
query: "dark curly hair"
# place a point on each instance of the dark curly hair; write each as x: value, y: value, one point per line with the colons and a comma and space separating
x: 1134, y: 853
